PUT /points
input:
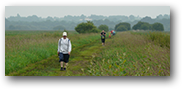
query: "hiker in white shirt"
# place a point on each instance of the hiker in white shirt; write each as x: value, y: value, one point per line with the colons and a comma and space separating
x: 64, y: 50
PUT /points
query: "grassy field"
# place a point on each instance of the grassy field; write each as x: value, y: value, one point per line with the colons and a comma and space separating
x: 34, y: 53
x: 133, y: 54
x: 23, y: 48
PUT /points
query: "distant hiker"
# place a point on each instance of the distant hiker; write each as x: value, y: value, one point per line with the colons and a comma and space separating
x: 64, y: 49
x: 103, y: 34
x: 109, y: 34
x: 114, y: 32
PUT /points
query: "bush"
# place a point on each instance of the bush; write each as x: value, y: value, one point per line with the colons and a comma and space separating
x: 142, y: 26
x: 158, y: 27
x: 123, y: 26
x: 85, y: 27
x: 103, y: 27
x: 95, y: 30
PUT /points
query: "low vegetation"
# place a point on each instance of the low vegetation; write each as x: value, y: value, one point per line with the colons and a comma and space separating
x: 133, y: 54
x: 25, y: 47
x: 34, y: 53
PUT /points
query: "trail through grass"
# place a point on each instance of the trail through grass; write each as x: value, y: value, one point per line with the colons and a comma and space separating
x: 23, y: 48
x: 125, y: 54
x: 51, y: 67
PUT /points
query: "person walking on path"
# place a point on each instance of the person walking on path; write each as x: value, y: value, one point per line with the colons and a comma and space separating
x: 103, y: 34
x: 109, y: 34
x: 114, y: 32
x: 64, y: 50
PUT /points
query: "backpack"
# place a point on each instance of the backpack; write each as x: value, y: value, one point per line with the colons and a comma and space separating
x: 102, y: 37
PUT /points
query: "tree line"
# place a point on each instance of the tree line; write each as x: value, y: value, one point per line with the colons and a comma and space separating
x: 37, y: 23
x: 89, y: 27
x: 146, y: 26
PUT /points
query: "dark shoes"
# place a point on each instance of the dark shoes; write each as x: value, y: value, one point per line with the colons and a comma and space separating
x: 63, y: 69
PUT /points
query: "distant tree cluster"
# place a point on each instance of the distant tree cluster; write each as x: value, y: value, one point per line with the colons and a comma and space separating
x: 70, y: 22
x: 157, y: 27
x: 146, y: 26
x: 122, y: 26
x: 103, y: 27
x: 87, y: 27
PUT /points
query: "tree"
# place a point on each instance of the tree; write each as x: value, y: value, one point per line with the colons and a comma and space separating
x: 158, y: 27
x: 85, y: 27
x: 137, y: 26
x: 95, y: 30
x: 126, y: 26
x: 121, y: 28
x: 103, y: 27
x: 34, y: 22
x: 131, y: 17
x: 142, y: 26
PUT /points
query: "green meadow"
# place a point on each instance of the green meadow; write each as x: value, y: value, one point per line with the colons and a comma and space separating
x: 26, y: 47
x: 133, y: 54
x: 34, y: 53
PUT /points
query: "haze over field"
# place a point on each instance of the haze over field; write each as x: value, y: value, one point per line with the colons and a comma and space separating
x: 60, y: 18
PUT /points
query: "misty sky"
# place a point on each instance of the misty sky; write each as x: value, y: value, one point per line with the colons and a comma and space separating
x: 61, y: 11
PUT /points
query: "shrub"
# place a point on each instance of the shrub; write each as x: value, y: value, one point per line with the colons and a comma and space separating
x: 126, y: 26
x: 103, y: 27
x: 85, y: 27
x: 95, y: 30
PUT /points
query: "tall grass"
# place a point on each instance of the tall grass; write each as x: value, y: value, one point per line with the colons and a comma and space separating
x: 23, y: 47
x: 159, y: 38
x: 129, y: 54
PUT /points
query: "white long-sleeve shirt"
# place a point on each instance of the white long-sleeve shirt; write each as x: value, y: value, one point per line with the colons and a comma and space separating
x: 64, y: 46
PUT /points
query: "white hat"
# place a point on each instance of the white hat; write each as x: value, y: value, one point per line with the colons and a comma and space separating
x: 64, y: 33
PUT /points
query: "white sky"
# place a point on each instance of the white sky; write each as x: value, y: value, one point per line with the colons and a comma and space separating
x: 61, y: 11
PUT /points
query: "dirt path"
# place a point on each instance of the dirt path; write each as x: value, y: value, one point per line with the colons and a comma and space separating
x: 79, y: 60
